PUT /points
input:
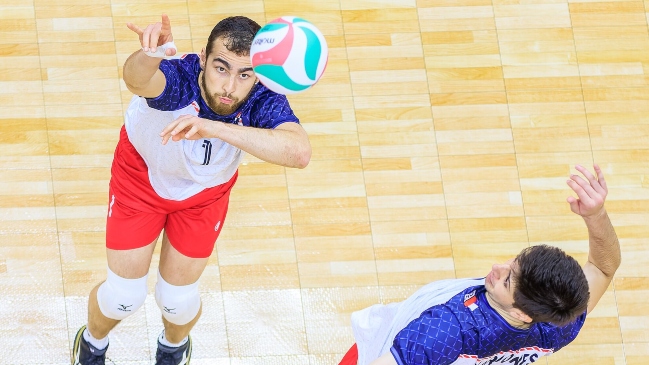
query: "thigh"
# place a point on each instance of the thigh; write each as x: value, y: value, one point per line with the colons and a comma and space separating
x: 129, y: 228
x: 177, y: 268
x: 193, y: 231
x: 130, y: 264
x: 134, y: 217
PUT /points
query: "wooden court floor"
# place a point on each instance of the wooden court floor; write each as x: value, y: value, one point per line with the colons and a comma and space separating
x: 443, y: 132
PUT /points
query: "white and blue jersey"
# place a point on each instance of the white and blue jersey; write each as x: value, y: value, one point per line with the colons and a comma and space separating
x: 179, y: 170
x: 460, y: 328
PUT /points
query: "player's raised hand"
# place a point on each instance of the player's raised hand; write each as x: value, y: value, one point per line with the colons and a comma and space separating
x: 154, y: 35
x: 591, y: 192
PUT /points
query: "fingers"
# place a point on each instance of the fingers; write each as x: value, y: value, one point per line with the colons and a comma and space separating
x: 154, y: 35
x: 190, y: 133
x: 578, y: 188
x: 574, y: 204
x: 135, y: 29
x: 594, y: 183
x: 585, y: 186
x: 166, y: 23
x: 600, y: 177
x: 591, y: 191
x: 146, y: 38
x: 150, y: 37
x: 174, y: 129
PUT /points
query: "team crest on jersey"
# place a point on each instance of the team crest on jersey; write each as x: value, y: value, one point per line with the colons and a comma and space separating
x: 470, y: 301
x: 238, y: 119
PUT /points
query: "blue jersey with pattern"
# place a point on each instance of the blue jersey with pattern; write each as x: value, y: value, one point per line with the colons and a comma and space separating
x: 263, y: 108
x: 467, y: 330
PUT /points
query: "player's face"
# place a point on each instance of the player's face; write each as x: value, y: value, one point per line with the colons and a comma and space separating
x: 499, y: 284
x: 226, y: 80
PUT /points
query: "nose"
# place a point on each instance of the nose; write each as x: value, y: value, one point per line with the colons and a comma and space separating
x: 497, y: 270
x: 229, y: 86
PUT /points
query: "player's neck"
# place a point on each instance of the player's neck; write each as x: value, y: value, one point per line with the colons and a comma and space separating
x: 513, y: 321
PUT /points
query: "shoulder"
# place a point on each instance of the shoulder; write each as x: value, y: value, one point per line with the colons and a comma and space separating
x: 188, y: 63
x: 262, y: 97
x: 558, y: 337
x: 436, y: 337
x: 268, y: 109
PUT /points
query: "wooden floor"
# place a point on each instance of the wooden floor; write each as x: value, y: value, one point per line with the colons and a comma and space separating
x: 443, y: 132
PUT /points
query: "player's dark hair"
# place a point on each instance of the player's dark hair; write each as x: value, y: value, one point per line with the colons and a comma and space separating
x: 550, y: 286
x: 237, y: 33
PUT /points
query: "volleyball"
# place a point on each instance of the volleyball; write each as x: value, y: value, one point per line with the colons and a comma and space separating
x: 289, y: 55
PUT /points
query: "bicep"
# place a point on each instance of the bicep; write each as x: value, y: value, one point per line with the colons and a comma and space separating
x: 386, y: 359
x: 153, y: 89
x: 598, y: 282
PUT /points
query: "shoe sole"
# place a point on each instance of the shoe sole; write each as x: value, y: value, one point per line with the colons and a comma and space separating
x: 76, y: 346
x: 189, y: 350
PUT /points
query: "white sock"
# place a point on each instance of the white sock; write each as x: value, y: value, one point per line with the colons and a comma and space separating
x: 98, y: 344
x: 163, y: 340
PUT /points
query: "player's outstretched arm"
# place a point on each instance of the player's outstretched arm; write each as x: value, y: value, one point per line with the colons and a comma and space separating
x: 141, y: 73
x: 604, y: 254
x: 286, y: 145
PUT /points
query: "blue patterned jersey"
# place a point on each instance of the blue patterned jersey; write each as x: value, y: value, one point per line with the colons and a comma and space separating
x: 263, y: 108
x: 179, y: 170
x: 467, y: 330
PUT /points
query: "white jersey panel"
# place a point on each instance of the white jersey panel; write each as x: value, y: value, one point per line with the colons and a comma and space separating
x: 178, y: 170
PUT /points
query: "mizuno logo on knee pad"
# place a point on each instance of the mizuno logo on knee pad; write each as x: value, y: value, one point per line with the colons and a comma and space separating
x: 124, y: 308
x: 170, y: 310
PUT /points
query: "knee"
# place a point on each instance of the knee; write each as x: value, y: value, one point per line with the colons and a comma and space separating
x: 179, y: 304
x: 119, y: 297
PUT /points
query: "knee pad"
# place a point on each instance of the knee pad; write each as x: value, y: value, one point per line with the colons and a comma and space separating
x: 118, y: 297
x: 179, y: 304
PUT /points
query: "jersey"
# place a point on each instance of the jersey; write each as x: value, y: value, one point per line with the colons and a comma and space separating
x: 179, y: 170
x: 465, y: 330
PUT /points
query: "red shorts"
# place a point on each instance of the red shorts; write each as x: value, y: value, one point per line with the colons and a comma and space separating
x: 137, y: 214
x: 351, y: 357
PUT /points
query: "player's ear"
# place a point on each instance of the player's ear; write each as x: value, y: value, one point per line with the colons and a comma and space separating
x: 520, y: 315
x: 203, y: 58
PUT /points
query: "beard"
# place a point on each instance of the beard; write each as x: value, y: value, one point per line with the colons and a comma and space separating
x: 212, y: 100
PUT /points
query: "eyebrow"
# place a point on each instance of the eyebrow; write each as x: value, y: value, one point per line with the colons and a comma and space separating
x: 511, y: 272
x: 229, y: 67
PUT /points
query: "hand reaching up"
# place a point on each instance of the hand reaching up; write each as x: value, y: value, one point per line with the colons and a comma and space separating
x: 591, y: 192
x: 155, y: 35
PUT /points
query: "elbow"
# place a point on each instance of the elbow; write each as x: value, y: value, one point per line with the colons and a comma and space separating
x: 135, y: 89
x: 612, y: 266
x: 303, y: 158
x: 616, y: 264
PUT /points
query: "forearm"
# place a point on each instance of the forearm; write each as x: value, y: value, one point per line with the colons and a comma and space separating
x: 604, y: 247
x: 139, y: 70
x: 290, y: 148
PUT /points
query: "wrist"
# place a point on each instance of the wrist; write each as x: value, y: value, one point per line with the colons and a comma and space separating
x: 597, y: 216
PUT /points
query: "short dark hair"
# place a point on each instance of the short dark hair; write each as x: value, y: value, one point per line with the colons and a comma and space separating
x: 550, y: 285
x: 238, y: 33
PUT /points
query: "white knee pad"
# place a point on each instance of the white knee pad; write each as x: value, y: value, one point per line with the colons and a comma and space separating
x: 118, y: 297
x: 179, y: 304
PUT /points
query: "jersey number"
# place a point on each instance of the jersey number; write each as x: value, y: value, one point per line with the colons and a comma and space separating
x: 208, y: 152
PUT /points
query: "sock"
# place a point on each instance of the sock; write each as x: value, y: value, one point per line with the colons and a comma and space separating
x: 163, y: 340
x: 98, y: 344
